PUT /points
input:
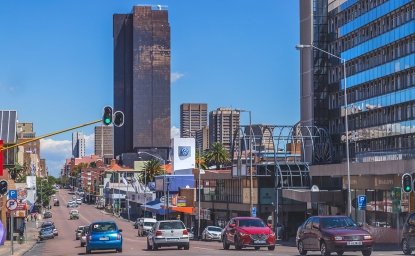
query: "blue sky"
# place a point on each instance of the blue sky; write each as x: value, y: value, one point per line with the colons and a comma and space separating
x: 56, y: 61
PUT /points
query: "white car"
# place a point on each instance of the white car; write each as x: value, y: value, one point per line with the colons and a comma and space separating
x: 168, y: 233
x: 212, y: 233
x: 145, y: 225
x: 79, y: 201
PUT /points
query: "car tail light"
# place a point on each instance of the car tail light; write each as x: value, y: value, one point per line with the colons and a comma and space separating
x: 185, y: 232
x: 159, y: 233
x: 118, y: 237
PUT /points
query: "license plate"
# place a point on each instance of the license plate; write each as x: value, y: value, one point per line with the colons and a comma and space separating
x: 259, y: 242
x: 354, y: 243
x: 104, y: 238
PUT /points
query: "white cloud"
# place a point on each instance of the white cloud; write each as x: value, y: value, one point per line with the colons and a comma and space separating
x: 89, y: 144
x: 175, y: 132
x: 175, y: 76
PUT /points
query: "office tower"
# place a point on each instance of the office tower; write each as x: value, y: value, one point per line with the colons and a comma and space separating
x: 224, y: 127
x: 142, y: 80
x: 78, y: 145
x: 193, y: 117
x: 376, y: 41
x: 104, y: 142
x: 202, y: 139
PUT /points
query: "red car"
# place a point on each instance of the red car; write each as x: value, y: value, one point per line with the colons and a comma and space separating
x: 248, y: 232
x: 333, y: 234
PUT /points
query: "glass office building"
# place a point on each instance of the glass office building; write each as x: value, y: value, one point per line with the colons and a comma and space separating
x: 376, y: 39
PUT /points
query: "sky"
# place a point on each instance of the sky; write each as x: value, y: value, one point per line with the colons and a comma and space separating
x: 56, y: 59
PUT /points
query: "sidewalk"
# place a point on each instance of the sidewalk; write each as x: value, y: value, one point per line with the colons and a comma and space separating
x: 20, y: 249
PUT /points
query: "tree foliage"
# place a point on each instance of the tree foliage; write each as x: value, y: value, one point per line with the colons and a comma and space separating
x: 217, y: 155
x: 17, y: 172
x: 152, y: 168
x: 45, y: 189
x: 201, y: 161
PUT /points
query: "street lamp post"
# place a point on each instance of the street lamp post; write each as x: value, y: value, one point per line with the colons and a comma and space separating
x: 164, y: 178
x: 251, y: 188
x: 349, y: 201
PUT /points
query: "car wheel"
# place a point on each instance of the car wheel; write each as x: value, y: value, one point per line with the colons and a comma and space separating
x: 119, y: 249
x: 367, y: 252
x: 257, y: 248
x: 323, y: 249
x: 237, y: 245
x: 405, y: 247
x: 225, y: 244
x: 340, y: 253
x: 187, y: 247
x: 87, y: 251
x: 271, y: 248
x: 300, y: 248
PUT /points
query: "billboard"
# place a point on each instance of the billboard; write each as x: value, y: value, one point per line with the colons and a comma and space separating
x: 183, y: 153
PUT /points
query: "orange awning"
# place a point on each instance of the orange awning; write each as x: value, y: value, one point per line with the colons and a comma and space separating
x: 188, y: 210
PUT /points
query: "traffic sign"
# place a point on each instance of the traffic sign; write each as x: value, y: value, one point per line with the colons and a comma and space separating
x: 12, y: 194
x: 361, y: 202
x: 253, y: 211
x: 11, y: 205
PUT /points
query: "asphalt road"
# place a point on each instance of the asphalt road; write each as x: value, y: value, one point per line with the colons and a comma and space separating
x: 65, y: 243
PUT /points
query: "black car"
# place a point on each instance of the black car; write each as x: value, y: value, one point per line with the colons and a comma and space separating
x: 408, y: 235
x: 47, y: 215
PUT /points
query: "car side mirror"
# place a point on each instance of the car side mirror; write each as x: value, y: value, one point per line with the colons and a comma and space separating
x: 119, y: 230
x: 232, y: 225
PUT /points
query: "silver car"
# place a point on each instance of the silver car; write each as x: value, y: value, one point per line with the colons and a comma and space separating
x: 84, y: 233
x: 168, y: 233
x: 212, y: 233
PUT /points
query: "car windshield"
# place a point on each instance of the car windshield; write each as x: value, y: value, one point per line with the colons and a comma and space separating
x: 48, y: 229
x: 171, y: 225
x: 251, y: 223
x: 103, y: 227
x: 337, y: 222
x: 148, y: 224
x: 215, y: 229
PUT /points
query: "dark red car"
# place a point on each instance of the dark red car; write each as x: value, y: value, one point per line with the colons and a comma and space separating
x: 333, y: 234
x: 248, y: 232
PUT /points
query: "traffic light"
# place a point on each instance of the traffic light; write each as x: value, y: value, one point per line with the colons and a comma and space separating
x: 118, y: 118
x: 107, y: 116
x: 3, y: 187
x: 407, y: 183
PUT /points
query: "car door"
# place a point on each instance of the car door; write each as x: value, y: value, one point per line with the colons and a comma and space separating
x: 315, y: 234
x: 230, y: 231
x: 411, y: 230
x: 305, y: 234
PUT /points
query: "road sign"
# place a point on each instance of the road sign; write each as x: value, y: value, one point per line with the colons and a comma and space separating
x: 361, y: 202
x: 11, y: 205
x: 12, y: 194
x: 253, y: 211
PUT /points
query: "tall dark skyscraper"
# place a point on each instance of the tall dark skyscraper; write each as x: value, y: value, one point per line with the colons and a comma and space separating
x: 142, y: 80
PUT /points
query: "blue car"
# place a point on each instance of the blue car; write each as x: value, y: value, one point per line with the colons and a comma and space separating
x: 46, y: 233
x: 104, y: 235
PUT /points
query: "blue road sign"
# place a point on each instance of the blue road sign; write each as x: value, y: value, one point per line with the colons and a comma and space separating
x: 12, y: 194
x: 361, y: 202
x: 253, y: 212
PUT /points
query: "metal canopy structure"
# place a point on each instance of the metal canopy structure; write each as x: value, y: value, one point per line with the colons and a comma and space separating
x: 282, y: 151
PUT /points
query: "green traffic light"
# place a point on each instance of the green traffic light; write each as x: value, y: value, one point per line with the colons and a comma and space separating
x: 407, y: 188
x: 107, y: 121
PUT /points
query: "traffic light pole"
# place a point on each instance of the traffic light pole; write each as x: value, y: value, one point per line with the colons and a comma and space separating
x: 50, y: 134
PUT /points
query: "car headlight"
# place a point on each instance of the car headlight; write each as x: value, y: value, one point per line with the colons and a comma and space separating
x: 243, y: 234
x: 367, y: 237
x: 338, y: 238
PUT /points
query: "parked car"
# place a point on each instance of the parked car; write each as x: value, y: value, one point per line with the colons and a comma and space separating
x: 248, y: 232
x: 191, y: 233
x: 333, y: 234
x: 136, y: 223
x: 46, y: 233
x: 84, y: 233
x: 104, y: 235
x: 56, y: 203
x: 168, y: 233
x: 47, y: 215
x: 78, y: 232
x: 212, y: 233
x: 47, y: 224
x: 79, y: 201
x: 408, y: 235
x: 74, y: 214
x: 145, y: 225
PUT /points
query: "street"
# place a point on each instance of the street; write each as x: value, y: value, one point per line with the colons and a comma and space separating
x: 65, y: 243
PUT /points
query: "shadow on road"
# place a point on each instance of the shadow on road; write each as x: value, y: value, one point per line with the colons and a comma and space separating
x: 98, y: 252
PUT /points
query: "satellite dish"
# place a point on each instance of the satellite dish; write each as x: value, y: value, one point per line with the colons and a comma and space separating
x: 315, y: 188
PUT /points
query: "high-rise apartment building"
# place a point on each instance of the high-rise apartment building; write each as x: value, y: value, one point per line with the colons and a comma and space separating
x: 104, y: 142
x: 376, y: 41
x: 142, y: 80
x: 193, y: 117
x: 224, y: 127
x: 78, y: 145
x: 202, y: 139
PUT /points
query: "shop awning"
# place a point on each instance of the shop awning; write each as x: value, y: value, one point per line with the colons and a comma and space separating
x: 187, y: 210
x: 155, y: 207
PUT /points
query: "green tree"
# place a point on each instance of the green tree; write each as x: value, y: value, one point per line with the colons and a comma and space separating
x: 45, y: 189
x: 200, y: 161
x: 152, y: 168
x: 217, y: 155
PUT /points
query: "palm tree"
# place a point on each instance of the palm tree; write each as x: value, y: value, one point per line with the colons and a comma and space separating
x: 200, y: 160
x: 217, y: 155
x: 152, y: 168
x: 17, y: 172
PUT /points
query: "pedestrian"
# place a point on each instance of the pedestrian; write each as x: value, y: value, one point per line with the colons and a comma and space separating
x: 31, y: 216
